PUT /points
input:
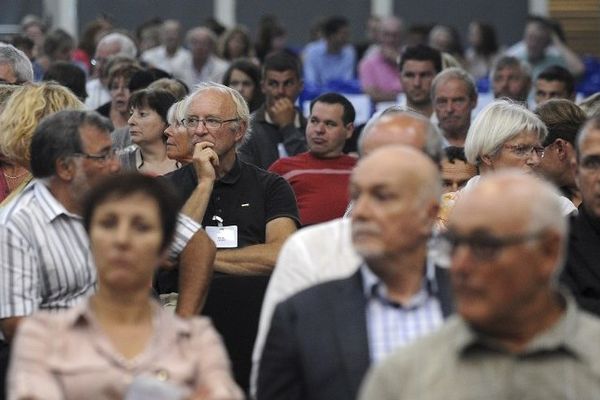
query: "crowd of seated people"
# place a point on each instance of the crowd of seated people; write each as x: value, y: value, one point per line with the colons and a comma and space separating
x: 200, y: 215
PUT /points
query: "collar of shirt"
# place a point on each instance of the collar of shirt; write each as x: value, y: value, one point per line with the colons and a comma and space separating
x: 375, y: 289
x: 234, y: 174
x: 558, y: 336
x: 50, y: 206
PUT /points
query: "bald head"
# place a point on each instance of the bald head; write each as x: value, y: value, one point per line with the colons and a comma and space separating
x: 396, y: 191
x: 401, y: 127
x: 526, y: 200
x: 507, y: 240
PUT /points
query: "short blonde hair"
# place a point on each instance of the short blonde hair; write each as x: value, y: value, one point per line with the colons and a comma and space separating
x: 177, y: 112
x: 24, y: 110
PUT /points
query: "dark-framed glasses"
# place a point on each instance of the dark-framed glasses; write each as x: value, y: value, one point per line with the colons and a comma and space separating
x: 210, y: 123
x: 482, y: 246
x: 101, y: 158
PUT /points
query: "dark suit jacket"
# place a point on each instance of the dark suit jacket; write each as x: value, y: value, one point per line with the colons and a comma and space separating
x: 317, y: 346
x: 582, y: 268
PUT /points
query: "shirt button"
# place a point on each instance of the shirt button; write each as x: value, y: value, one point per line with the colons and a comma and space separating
x: 218, y: 198
x: 219, y: 210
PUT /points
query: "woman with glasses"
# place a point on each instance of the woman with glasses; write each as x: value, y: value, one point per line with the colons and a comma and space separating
x: 503, y: 135
x: 147, y: 123
x: 120, y: 343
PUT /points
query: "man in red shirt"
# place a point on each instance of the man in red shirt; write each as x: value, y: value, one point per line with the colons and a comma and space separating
x: 320, y: 176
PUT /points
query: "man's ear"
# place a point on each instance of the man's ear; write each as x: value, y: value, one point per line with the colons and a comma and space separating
x: 239, y: 134
x: 350, y: 129
x: 561, y: 146
x: 65, y: 168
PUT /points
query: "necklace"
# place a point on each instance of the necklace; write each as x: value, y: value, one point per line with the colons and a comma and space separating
x: 7, y: 176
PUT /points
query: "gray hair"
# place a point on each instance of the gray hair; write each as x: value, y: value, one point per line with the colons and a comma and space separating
x: 128, y: 47
x: 510, y: 61
x: 433, y: 141
x: 177, y: 112
x: 592, y: 124
x: 496, y: 124
x: 242, y: 112
x: 457, y: 74
x: 18, y: 61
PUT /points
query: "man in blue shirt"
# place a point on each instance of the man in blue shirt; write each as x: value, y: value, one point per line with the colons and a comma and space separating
x: 330, y: 58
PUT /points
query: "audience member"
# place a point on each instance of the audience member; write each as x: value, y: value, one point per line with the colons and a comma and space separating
x: 332, y: 57
x: 235, y: 43
x: 130, y: 220
x: 507, y: 135
x: 15, y: 67
x: 88, y: 40
x: 119, y: 76
x: 323, y: 339
x: 323, y: 252
x: 277, y: 128
x: 541, y: 47
x: 18, y: 121
x: 581, y: 270
x: 563, y: 120
x: 213, y: 183
x: 147, y: 123
x: 515, y: 333
x: 170, y: 56
x: 112, y: 44
x: 205, y: 65
x: 446, y: 39
x: 179, y: 143
x: 454, y: 97
x: 378, y: 70
x: 176, y: 87
x: 58, y: 46
x: 483, y: 49
x: 243, y: 75
x: 455, y: 169
x: 320, y: 176
x: 554, y: 82
x: 271, y: 37
x: 418, y: 66
x: 511, y: 79
x: 68, y: 75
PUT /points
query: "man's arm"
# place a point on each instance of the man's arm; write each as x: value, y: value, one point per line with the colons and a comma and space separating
x: 259, y: 258
x: 205, y: 161
x: 195, y: 270
x: 9, y: 327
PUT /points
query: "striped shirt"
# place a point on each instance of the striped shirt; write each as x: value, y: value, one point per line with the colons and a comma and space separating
x: 391, y: 325
x: 45, y: 258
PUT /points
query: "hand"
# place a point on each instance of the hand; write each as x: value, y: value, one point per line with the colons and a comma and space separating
x: 282, y: 112
x: 205, y: 160
x: 391, y: 54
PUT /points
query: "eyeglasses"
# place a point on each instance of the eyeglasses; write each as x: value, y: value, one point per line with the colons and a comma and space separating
x: 100, y: 158
x: 211, y: 124
x: 525, y: 150
x: 482, y: 246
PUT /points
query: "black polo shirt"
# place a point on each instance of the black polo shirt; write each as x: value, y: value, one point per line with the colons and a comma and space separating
x: 247, y: 196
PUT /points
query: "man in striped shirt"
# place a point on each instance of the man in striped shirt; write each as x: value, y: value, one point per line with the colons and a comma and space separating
x: 45, y: 262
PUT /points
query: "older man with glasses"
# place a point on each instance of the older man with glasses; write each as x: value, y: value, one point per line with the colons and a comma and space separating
x: 516, y: 334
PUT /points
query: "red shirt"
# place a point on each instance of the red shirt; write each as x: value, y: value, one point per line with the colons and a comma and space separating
x: 320, y: 184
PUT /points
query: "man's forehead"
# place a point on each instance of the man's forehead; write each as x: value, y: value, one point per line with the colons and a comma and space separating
x: 329, y: 110
x: 509, y: 70
x: 93, y: 136
x: 7, y: 73
x: 418, y: 65
x: 287, y: 74
x: 591, y: 141
x: 213, y: 100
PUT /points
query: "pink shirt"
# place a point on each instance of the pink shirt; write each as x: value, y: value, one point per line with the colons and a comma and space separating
x: 67, y: 356
x: 375, y: 72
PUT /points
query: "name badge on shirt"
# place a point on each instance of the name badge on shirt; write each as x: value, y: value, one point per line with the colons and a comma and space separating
x: 225, y: 237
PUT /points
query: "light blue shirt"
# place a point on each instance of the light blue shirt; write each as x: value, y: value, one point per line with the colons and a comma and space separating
x: 321, y: 67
